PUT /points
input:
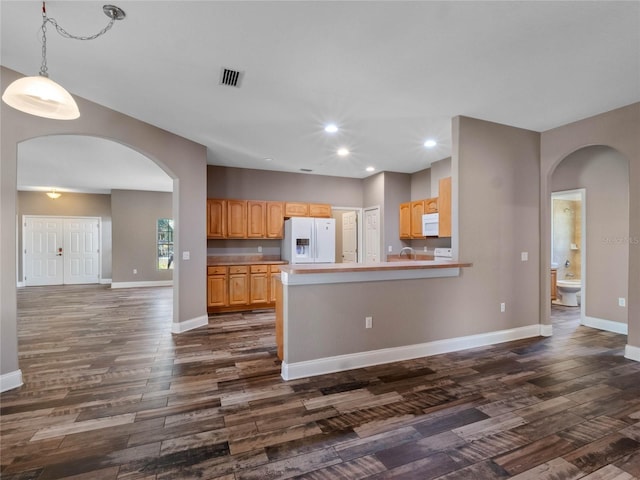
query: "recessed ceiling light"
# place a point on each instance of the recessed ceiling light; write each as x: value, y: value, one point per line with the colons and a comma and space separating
x: 430, y: 143
x: 343, y: 152
x: 268, y: 159
x: 331, y: 128
x: 371, y: 169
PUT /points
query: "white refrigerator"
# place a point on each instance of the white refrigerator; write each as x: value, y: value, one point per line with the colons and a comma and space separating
x: 309, y: 240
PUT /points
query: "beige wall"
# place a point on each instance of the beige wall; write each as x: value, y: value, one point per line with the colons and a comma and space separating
x: 135, y: 217
x: 70, y: 205
x: 181, y: 159
x: 617, y: 129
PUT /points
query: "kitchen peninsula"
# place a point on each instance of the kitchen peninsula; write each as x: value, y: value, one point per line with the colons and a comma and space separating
x: 333, y: 317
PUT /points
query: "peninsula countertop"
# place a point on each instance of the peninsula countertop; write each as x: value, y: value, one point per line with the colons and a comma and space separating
x: 325, y: 273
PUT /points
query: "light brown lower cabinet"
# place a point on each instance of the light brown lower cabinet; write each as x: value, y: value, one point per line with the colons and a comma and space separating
x: 239, y: 288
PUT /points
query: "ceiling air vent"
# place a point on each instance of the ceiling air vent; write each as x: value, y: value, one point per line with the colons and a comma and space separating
x: 230, y: 77
x: 306, y: 170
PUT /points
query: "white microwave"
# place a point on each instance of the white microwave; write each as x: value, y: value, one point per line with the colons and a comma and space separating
x: 430, y: 224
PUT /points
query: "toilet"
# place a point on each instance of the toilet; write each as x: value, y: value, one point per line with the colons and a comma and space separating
x: 568, y: 290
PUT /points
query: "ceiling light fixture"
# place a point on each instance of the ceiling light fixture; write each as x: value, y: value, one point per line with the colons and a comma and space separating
x: 370, y: 169
x: 40, y: 96
x: 331, y: 128
x: 430, y: 143
x: 343, y: 152
x: 53, y: 194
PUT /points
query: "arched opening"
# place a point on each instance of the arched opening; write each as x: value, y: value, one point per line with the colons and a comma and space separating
x: 600, y: 244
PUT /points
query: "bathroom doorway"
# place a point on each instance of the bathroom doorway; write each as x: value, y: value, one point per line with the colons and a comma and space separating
x: 568, y: 249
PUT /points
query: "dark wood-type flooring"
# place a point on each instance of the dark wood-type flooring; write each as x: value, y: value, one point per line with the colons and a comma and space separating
x: 110, y: 393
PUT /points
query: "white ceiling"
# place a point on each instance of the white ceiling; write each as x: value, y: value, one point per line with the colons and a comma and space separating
x: 390, y: 73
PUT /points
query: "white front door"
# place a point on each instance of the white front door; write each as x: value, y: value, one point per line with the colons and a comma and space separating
x: 349, y: 237
x: 82, y: 253
x: 43, y: 248
x: 372, y: 235
x: 59, y: 250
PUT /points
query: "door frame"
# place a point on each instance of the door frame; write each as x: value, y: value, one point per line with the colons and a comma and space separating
x: 22, y: 247
x: 359, y: 217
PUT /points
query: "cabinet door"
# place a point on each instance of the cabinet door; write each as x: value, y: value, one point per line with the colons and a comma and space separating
x: 274, y: 271
x: 275, y: 219
x: 417, y: 210
x: 405, y: 220
x: 238, y: 285
x: 217, y: 291
x: 236, y: 219
x: 216, y: 218
x: 320, y: 210
x: 256, y: 219
x: 431, y: 205
x: 554, y: 279
x: 293, y: 209
x: 259, y: 289
x: 444, y: 207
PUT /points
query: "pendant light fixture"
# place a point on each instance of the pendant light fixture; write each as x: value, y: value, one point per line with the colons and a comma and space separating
x: 41, y: 96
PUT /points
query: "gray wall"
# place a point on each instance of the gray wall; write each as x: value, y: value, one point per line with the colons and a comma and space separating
x: 135, y: 217
x: 70, y: 205
x: 421, y: 184
x: 617, y: 129
x: 182, y: 159
x: 241, y: 183
x: 498, y: 207
x: 604, y: 173
x: 397, y: 190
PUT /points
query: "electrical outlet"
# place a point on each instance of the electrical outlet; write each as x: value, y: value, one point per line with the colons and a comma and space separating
x: 186, y: 255
x: 368, y: 322
x: 503, y: 307
x: 425, y: 248
x: 135, y: 271
x: 622, y: 302
x: 390, y: 248
x: 524, y: 256
x: 259, y: 248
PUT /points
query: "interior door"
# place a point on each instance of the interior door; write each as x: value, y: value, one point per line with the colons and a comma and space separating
x: 372, y: 235
x: 349, y: 237
x: 60, y: 251
x: 81, y: 250
x: 43, y: 250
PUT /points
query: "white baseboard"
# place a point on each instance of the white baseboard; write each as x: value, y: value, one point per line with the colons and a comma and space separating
x: 607, y: 325
x: 340, y: 363
x: 105, y: 281
x: 189, y: 324
x: 546, y: 330
x: 632, y: 353
x: 156, y: 283
x: 10, y: 380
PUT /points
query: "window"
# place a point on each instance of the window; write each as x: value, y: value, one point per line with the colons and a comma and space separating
x: 165, y: 244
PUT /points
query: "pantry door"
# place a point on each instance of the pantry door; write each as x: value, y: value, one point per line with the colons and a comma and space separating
x: 61, y: 250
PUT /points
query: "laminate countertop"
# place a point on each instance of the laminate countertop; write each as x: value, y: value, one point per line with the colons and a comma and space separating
x: 220, y: 260
x: 301, y: 269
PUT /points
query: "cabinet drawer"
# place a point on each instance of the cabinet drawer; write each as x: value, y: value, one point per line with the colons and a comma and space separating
x: 216, y: 270
x: 259, y: 268
x: 274, y: 268
x: 238, y: 269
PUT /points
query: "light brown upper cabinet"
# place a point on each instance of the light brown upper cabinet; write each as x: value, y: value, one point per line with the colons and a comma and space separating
x: 275, y: 219
x: 444, y: 207
x: 295, y: 209
x: 417, y: 210
x: 405, y: 220
x: 430, y: 205
x: 216, y: 218
x: 236, y: 219
x: 321, y: 210
x: 256, y: 219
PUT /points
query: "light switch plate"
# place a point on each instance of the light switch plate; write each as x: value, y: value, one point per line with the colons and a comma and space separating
x: 186, y: 255
x: 524, y: 256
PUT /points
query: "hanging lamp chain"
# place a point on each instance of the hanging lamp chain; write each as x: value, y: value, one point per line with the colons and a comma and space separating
x: 113, y: 15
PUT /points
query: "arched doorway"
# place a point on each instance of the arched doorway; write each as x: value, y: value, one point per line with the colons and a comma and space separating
x: 603, y: 174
